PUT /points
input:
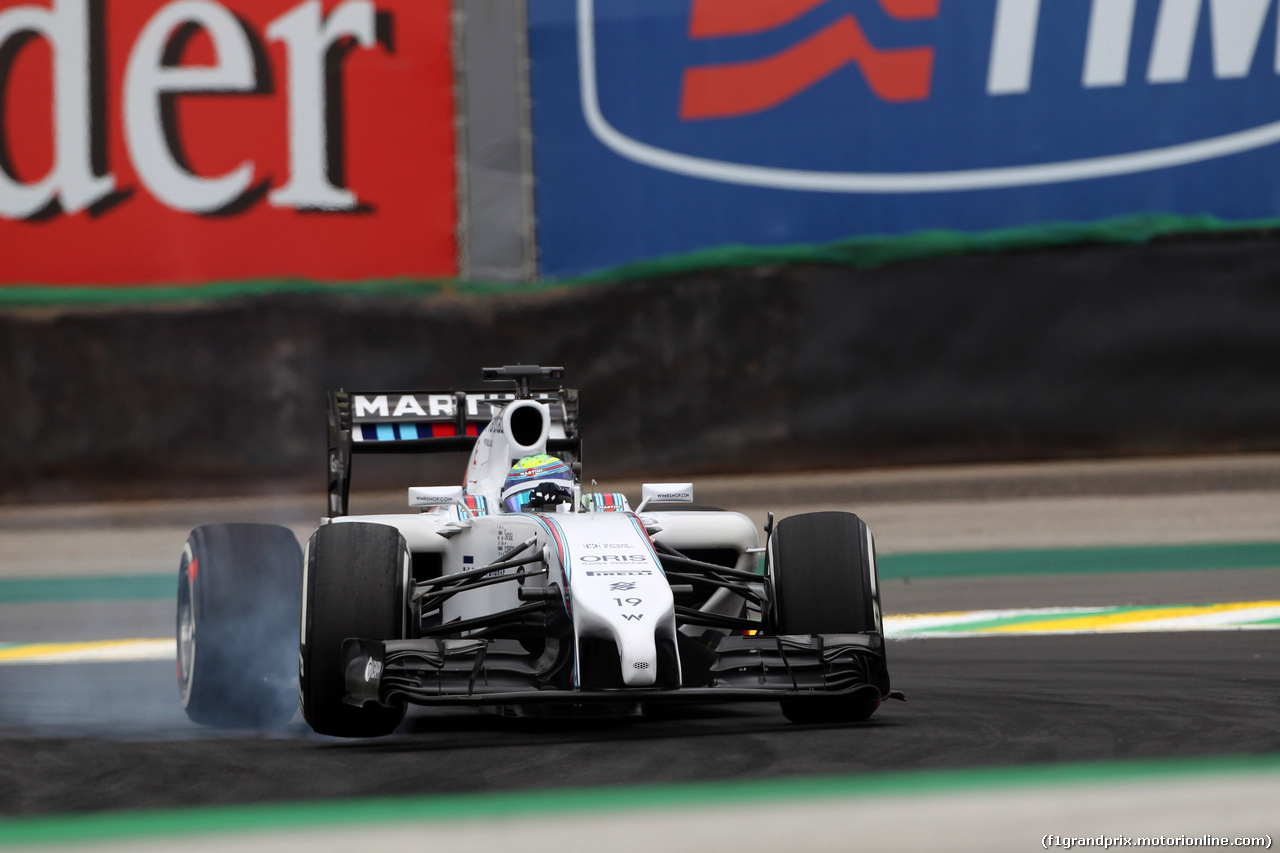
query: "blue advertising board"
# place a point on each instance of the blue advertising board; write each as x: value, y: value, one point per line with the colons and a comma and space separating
x: 663, y: 126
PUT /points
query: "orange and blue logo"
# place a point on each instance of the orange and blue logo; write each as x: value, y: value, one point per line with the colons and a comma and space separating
x: 721, y: 90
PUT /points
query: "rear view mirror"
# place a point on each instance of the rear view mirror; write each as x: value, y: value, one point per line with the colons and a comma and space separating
x: 434, y: 495
x: 667, y: 493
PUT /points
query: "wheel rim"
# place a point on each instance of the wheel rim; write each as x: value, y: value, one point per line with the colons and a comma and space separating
x: 186, y: 636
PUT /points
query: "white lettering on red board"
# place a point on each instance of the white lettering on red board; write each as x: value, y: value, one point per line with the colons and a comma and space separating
x: 72, y: 182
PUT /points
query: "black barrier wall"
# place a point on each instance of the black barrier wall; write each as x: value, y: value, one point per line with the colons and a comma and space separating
x: 1100, y: 351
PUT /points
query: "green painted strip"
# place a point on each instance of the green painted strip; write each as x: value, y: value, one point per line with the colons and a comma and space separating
x: 863, y: 252
x: 105, y: 588
x: 872, y: 251
x: 137, y: 825
x: 36, y: 295
x: 1156, y: 558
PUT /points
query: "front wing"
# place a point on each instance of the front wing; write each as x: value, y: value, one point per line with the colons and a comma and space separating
x: 494, y: 672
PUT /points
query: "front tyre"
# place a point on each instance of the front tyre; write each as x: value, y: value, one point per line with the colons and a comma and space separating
x: 239, y: 588
x: 355, y: 586
x: 824, y: 576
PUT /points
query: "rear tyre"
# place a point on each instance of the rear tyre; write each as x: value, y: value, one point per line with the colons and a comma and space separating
x: 824, y: 580
x: 239, y: 594
x: 355, y: 587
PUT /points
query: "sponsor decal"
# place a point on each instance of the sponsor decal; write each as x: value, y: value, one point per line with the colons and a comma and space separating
x: 433, y: 500
x: 620, y: 546
x: 789, y: 121
x: 434, y: 496
x: 416, y: 407
x: 722, y: 90
x: 188, y: 140
x: 372, y: 670
x: 789, y: 52
x: 613, y: 558
x: 619, y: 573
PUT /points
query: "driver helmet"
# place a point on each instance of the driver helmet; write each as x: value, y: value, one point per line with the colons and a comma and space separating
x: 529, y: 473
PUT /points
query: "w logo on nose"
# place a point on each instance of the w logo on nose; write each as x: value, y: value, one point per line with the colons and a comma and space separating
x: 743, y: 88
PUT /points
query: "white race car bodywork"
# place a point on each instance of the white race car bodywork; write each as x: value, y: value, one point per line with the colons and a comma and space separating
x: 609, y: 577
x: 551, y: 598
x: 603, y: 562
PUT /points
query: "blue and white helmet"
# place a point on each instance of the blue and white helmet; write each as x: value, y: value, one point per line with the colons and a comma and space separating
x: 529, y: 473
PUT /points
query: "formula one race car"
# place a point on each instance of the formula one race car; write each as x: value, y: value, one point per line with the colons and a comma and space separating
x: 517, y: 590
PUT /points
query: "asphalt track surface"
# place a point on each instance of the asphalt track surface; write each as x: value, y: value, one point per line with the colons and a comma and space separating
x: 76, y: 739
x: 970, y: 703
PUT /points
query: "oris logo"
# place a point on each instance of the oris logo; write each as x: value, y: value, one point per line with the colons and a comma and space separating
x: 613, y: 558
x: 214, y: 125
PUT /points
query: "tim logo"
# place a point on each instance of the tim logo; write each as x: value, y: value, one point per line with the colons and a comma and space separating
x: 921, y: 96
x: 741, y: 88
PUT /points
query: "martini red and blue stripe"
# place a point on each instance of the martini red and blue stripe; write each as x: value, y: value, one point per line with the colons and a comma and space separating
x: 408, y: 431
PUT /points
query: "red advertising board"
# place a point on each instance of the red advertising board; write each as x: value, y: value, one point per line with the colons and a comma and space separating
x: 148, y: 141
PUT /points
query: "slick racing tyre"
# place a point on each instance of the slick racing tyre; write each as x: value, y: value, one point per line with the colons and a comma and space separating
x: 239, y: 594
x: 354, y: 587
x: 824, y: 576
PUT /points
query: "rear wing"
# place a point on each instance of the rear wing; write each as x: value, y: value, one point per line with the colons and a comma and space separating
x: 431, y: 422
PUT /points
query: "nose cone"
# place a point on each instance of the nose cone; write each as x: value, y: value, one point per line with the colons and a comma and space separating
x: 618, y: 589
x: 639, y: 657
